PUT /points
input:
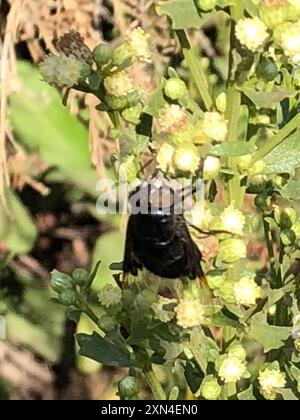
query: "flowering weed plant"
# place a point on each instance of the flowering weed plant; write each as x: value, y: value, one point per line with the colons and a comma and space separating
x: 238, y: 336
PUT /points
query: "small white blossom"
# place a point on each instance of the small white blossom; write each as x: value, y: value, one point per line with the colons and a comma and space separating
x: 139, y: 42
x: 190, y: 313
x: 246, y: 291
x: 269, y: 379
x: 232, y: 369
x: 215, y: 126
x: 233, y: 220
x: 110, y: 295
x: 187, y: 159
x: 252, y: 33
x: 118, y: 84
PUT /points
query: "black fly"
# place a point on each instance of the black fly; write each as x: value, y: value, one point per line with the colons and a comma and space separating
x: 158, y: 239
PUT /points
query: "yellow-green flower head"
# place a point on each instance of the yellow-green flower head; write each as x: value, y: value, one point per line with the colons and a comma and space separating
x: 233, y: 220
x: 232, y: 370
x: 215, y: 279
x: 201, y: 218
x: 238, y: 351
x: 226, y: 292
x: 186, y: 159
x: 172, y: 118
x: 246, y: 291
x: 215, y: 126
x: 140, y: 43
x: 164, y: 157
x: 63, y: 71
x: 288, y: 36
x: 110, y: 295
x: 245, y: 162
x: 190, y: 313
x: 211, y: 168
x: 232, y: 250
x: 163, y: 309
x: 210, y: 389
x: 269, y: 380
x: 118, y: 84
x: 252, y: 33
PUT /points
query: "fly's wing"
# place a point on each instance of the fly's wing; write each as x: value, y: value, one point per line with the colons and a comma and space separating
x: 131, y: 265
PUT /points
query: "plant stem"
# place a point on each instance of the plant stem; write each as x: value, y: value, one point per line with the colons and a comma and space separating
x: 91, y: 314
x: 278, y: 138
x: 196, y: 70
x: 154, y: 385
x: 270, y: 248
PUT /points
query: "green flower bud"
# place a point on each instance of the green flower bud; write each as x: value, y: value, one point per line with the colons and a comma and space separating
x: 288, y: 237
x: 244, y: 162
x: 257, y: 168
x: 102, y: 54
x: 61, y: 281
x: 68, y: 297
x: 80, y: 276
x: 297, y: 347
x: 231, y: 250
x: 116, y: 102
x: 215, y: 279
x: 262, y: 202
x: 132, y: 115
x: 221, y: 102
x: 267, y: 70
x: 226, y: 292
x: 122, y: 56
x: 134, y: 97
x: 237, y: 351
x: 285, y: 217
x: 128, y: 387
x: 210, y: 389
x: 175, y: 88
x: 107, y: 323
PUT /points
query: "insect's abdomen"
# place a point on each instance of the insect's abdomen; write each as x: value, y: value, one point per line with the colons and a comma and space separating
x: 157, y: 245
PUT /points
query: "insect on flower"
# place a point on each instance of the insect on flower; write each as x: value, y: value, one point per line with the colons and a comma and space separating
x: 157, y: 235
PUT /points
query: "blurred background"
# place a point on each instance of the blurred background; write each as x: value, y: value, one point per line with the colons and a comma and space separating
x: 51, y: 158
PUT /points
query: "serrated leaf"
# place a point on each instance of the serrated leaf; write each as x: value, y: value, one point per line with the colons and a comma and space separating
x: 291, y: 191
x: 268, y: 100
x: 285, y: 157
x: 247, y: 395
x: 269, y: 336
x: 183, y: 13
x: 228, y: 149
x: 103, y: 350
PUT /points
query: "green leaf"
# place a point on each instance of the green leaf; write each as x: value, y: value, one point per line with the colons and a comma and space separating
x: 268, y: 100
x: 109, y: 247
x: 156, y: 102
x: 46, y: 126
x: 285, y: 157
x: 291, y: 191
x: 269, y: 336
x: 287, y: 394
x: 184, y: 13
x: 103, y: 350
x: 17, y: 229
x: 228, y: 149
x: 174, y: 393
x: 247, y: 395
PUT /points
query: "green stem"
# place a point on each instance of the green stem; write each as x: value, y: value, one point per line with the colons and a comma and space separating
x: 277, y: 139
x: 91, y: 314
x: 269, y: 243
x: 196, y: 70
x: 154, y: 385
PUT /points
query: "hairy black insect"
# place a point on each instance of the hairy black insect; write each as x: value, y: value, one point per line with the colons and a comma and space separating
x: 160, y: 241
